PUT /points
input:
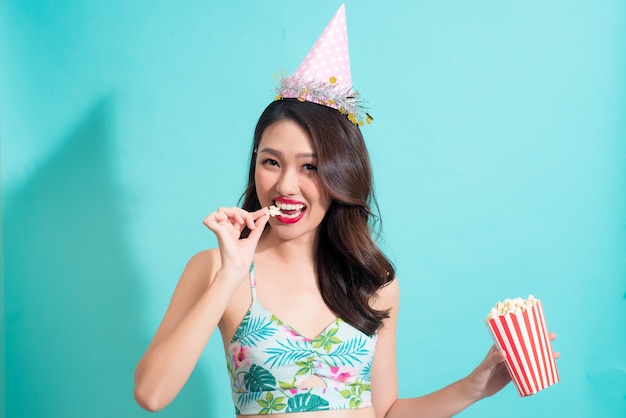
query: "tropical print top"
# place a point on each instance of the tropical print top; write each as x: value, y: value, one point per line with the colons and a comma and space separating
x: 267, y: 360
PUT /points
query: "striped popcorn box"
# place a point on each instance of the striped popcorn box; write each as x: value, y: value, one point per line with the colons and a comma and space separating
x: 519, y: 328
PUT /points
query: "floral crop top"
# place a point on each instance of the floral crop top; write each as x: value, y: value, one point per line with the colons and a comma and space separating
x: 267, y: 360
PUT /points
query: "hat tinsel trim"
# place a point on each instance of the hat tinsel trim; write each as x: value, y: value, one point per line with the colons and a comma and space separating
x: 327, y: 93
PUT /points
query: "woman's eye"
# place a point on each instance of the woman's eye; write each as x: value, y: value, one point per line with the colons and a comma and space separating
x: 269, y: 161
x: 310, y: 167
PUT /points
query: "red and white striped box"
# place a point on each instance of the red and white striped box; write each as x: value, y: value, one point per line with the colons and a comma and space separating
x: 524, y: 338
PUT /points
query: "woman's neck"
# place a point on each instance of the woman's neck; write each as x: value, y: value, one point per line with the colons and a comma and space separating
x: 297, y: 251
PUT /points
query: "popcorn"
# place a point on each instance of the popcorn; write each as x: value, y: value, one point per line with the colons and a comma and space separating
x: 273, y: 211
x: 519, y: 328
x: 517, y: 305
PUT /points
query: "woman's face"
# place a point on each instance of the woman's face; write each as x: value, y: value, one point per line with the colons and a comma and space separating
x: 286, y: 176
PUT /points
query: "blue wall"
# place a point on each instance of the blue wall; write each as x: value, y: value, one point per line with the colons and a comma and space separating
x: 499, y: 149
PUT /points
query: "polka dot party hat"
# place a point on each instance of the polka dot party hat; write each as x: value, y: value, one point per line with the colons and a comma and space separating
x: 324, y: 75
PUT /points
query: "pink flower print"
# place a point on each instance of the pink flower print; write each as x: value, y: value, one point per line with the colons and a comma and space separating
x: 290, y: 332
x: 340, y: 375
x: 293, y: 333
x: 240, y: 355
x: 293, y: 391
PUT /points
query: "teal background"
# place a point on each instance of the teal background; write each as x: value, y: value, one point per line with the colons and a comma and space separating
x: 499, y: 150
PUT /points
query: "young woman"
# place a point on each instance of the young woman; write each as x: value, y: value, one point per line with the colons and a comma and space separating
x: 305, y: 301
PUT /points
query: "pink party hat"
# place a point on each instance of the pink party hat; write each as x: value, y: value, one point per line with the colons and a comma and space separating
x: 324, y: 75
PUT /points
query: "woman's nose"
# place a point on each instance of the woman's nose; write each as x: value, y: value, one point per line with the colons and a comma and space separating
x: 288, y: 183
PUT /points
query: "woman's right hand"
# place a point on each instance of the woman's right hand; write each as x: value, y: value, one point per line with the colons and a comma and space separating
x: 227, y: 223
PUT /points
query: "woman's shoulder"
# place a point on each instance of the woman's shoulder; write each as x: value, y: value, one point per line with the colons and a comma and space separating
x: 204, y: 264
x: 388, y: 296
x: 211, y: 255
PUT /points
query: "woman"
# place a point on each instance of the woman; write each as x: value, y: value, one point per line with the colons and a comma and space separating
x: 314, y: 263
x: 305, y: 301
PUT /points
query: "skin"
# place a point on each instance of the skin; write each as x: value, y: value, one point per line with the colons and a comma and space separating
x: 214, y: 291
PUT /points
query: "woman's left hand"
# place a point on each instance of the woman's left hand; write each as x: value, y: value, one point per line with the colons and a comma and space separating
x: 491, y: 374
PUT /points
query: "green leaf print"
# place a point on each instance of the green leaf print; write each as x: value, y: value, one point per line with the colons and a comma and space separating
x: 251, y: 331
x: 287, y: 385
x: 306, y: 367
x: 276, y: 320
x: 355, y: 403
x: 354, y: 393
x: 290, y: 352
x: 358, y: 390
x: 270, y: 404
x: 258, y: 379
x: 349, y: 352
x: 346, y: 393
x: 365, y: 373
x: 306, y: 402
x: 239, y: 332
x: 248, y: 397
x: 326, y: 339
x: 230, y: 370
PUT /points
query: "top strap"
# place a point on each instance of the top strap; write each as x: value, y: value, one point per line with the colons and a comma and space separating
x: 253, y: 283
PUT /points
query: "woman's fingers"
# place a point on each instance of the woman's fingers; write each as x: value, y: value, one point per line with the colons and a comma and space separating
x: 494, y: 356
x: 222, y: 215
x: 552, y: 337
x: 237, y: 217
x: 210, y: 221
x: 257, y: 231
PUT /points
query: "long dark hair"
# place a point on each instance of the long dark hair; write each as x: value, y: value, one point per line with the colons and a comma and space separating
x: 350, y: 266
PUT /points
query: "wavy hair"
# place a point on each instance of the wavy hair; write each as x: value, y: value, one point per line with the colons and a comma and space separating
x: 351, y: 268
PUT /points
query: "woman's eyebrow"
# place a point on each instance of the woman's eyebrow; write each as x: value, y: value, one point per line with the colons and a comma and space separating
x: 306, y: 155
x: 278, y: 153
x: 271, y: 151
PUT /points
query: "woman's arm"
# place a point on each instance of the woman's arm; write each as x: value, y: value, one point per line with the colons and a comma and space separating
x: 488, y: 378
x: 445, y: 402
x: 194, y: 311
x: 384, y: 376
x: 206, y: 286
x: 485, y: 380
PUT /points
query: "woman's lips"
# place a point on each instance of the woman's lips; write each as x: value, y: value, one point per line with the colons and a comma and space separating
x: 290, y: 218
x: 289, y: 211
